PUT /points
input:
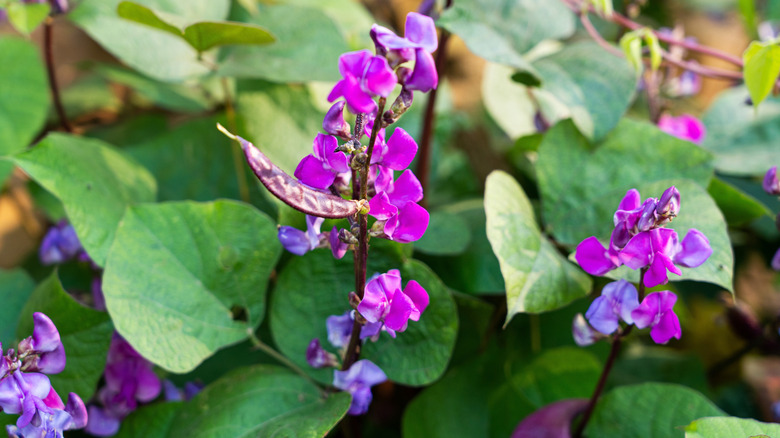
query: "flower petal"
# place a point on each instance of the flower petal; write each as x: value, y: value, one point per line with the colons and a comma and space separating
x: 401, y: 149
x: 421, y: 30
x: 406, y: 188
x: 312, y: 172
x: 424, y: 76
x: 419, y: 297
x: 637, y: 252
x: 409, y: 224
x: 694, y: 249
x: 593, y: 258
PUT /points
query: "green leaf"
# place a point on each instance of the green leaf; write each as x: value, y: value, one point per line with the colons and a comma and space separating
x: 141, y: 14
x: 299, y: 54
x: 26, y: 17
x: 448, y: 234
x: 503, y: 30
x: 664, y: 408
x: 655, y: 49
x: 206, y: 35
x: 537, y: 277
x: 150, y: 421
x: 730, y: 427
x: 595, y: 86
x: 574, y: 174
x: 743, y: 139
x: 260, y: 401
x: 85, y: 334
x: 172, y: 59
x: 762, y: 66
x: 738, y: 207
x: 418, y: 356
x: 350, y: 16
x: 107, y: 182
x: 24, y: 105
x: 631, y: 43
x: 15, y: 288
x: 281, y: 120
x: 212, y: 263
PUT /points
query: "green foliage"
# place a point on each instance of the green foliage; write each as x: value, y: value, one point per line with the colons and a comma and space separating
x: 654, y: 409
x: 15, y: 288
x: 537, y: 277
x: 503, y: 31
x: 728, y: 427
x: 743, y: 139
x: 151, y: 421
x: 212, y: 262
x: 448, y: 234
x: 260, y: 401
x: 738, y: 207
x: 631, y: 43
x: 25, y: 17
x: 311, y: 288
x: 24, y: 100
x: 107, y: 182
x: 296, y: 56
x: 762, y: 66
x: 85, y: 334
x: 201, y: 36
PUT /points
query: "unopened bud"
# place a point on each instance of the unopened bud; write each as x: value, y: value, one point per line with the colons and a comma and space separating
x: 540, y: 123
x: 771, y: 184
x: 354, y: 300
x: 347, y: 237
x: 669, y: 204
x: 583, y: 333
x: 334, y: 123
x: 648, y: 218
x: 402, y: 103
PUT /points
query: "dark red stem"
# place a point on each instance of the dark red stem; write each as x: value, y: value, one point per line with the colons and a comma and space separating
x: 55, y: 90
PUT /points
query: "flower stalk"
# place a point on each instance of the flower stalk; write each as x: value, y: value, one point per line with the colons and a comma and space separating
x: 48, y: 51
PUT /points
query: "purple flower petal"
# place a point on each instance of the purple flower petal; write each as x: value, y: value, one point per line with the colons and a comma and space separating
x: 337, y: 247
x: 374, y: 302
x: 631, y: 201
x: 379, y: 78
x: 380, y: 207
x: 694, y: 249
x: 401, y: 149
x: 400, y: 309
x: 45, y: 335
x: 668, y: 327
x: 669, y: 203
x: 583, y: 333
x: 334, y: 123
x: 52, y: 362
x: 77, y: 411
x: 339, y: 329
x: 419, y: 297
x: 405, y: 189
x: 421, y: 30
x: 312, y: 172
x: 551, y: 421
x: 771, y: 183
x: 685, y: 127
x: 361, y: 400
x: 354, y: 63
x: 294, y: 240
x: 313, y: 227
x: 101, y: 422
x: 776, y: 261
x: 149, y: 385
x: 409, y: 224
x: 601, y: 316
x: 594, y: 258
x: 424, y: 76
x: 637, y: 252
x: 317, y: 357
x: 325, y: 149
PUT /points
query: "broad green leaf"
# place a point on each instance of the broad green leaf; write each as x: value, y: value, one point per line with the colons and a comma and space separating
x: 94, y: 181
x: 299, y: 53
x: 595, y: 86
x: 663, y: 410
x: 537, y: 277
x: 660, y: 364
x: 743, y: 139
x: 201, y: 36
x: 15, y: 289
x: 24, y: 98
x: 150, y: 421
x: 85, y: 334
x: 260, y: 401
x: 176, y: 97
x: 730, y: 427
x: 581, y: 183
x: 280, y: 120
x: 762, y: 66
x: 502, y: 31
x: 350, y: 16
x: 738, y: 207
x: 172, y: 58
x: 448, y: 234
x: 207, y: 290
x: 417, y: 356
x: 26, y: 17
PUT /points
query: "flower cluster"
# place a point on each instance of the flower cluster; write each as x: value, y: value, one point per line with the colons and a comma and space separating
x: 771, y: 185
x: 26, y: 390
x: 640, y: 241
x: 129, y: 380
x: 300, y: 242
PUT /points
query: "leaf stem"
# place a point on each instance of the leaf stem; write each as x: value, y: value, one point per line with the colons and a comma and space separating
x: 230, y: 112
x: 55, y: 89
x: 260, y: 345
x: 361, y: 256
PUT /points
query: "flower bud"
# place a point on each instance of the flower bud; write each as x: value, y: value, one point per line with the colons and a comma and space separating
x: 669, y: 204
x: 648, y: 218
x: 540, y: 123
x: 584, y: 334
x: 317, y: 357
x: 771, y: 183
x: 334, y: 123
x: 402, y: 103
x: 776, y: 261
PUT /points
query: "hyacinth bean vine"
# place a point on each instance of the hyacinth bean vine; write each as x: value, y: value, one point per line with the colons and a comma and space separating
x: 355, y: 218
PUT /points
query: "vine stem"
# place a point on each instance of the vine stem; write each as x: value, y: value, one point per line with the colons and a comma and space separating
x: 48, y: 52
x: 426, y: 138
x: 361, y: 256
x: 260, y: 345
x: 230, y: 112
x: 613, y: 353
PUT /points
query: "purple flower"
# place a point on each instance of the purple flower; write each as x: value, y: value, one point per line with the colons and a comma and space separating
x: 771, y: 183
x: 656, y: 311
x: 299, y: 242
x: 334, y: 123
x: 98, y: 300
x: 23, y: 393
x: 358, y: 380
x: 776, y: 261
x: 173, y: 393
x: 618, y: 299
x: 364, y: 76
x: 60, y: 244
x: 660, y: 250
x: 384, y: 301
x: 397, y: 153
x: 685, y: 127
x: 337, y: 247
x: 318, y: 357
x: 583, y: 333
x: 319, y: 170
x: 340, y: 329
x: 102, y: 422
x: 43, y: 351
x: 396, y: 204
x: 687, y: 84
x: 419, y: 41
